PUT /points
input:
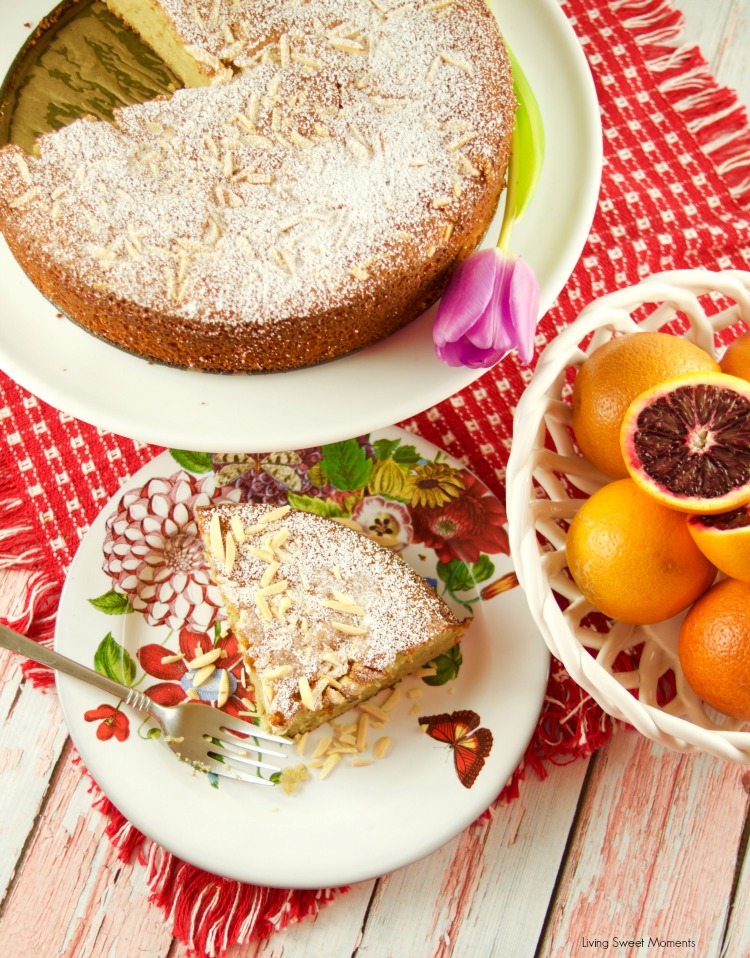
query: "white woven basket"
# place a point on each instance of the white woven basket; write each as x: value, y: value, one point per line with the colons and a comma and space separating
x: 543, y: 466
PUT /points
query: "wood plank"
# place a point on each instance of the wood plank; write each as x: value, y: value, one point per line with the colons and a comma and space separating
x: 721, y: 29
x: 653, y: 853
x: 32, y: 737
x: 93, y: 905
x: 486, y: 889
x: 737, y: 936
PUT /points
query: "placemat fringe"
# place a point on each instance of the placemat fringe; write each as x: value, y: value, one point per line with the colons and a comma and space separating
x: 208, y: 914
x: 713, y: 113
x: 649, y: 21
x: 34, y: 610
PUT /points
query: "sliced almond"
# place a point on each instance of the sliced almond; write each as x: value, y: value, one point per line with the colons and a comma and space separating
x: 203, y: 675
x: 381, y: 747
x: 238, y: 531
x: 375, y: 711
x: 348, y: 629
x: 224, y: 689
x: 330, y: 763
x: 362, y: 727
x: 391, y: 701
x: 230, y: 552
x: 280, y: 538
x: 268, y: 576
x: 342, y: 607
x: 323, y: 745
x: 305, y: 692
x: 204, y: 659
x: 276, y: 588
x: 265, y: 555
x: 215, y: 540
x: 277, y: 673
x: 264, y: 608
x: 275, y: 514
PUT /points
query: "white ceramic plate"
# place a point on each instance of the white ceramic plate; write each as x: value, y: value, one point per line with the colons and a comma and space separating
x: 360, y: 822
x: 387, y: 383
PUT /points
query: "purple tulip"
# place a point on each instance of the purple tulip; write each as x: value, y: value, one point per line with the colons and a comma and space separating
x: 489, y: 307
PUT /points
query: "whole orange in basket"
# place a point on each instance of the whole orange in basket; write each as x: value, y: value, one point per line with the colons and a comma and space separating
x: 714, y: 648
x: 610, y: 379
x: 634, y: 559
x: 724, y: 539
x: 686, y: 442
x: 736, y: 359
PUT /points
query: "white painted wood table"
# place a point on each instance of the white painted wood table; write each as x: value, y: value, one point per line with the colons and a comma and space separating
x: 636, y: 842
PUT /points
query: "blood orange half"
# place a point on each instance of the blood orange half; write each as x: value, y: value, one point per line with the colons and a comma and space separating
x: 724, y: 539
x: 686, y: 442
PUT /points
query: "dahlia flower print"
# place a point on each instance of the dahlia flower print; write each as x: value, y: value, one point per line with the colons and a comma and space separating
x: 154, y: 554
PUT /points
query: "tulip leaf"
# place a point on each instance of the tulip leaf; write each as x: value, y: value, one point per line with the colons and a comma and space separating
x: 528, y: 141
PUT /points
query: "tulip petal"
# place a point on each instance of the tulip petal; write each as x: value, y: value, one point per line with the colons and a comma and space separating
x: 466, y: 296
x: 524, y: 308
x: 489, y: 308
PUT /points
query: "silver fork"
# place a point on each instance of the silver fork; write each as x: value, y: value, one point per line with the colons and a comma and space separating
x: 204, y: 737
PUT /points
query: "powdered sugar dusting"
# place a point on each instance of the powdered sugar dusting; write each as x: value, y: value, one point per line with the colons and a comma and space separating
x: 337, y: 611
x: 349, y: 131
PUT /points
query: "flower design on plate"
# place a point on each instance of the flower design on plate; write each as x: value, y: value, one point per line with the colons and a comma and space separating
x: 112, y: 723
x: 433, y: 484
x: 471, y: 523
x: 176, y: 679
x: 154, y: 554
x: 388, y: 522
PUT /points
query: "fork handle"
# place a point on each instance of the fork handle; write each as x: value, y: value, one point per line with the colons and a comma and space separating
x: 15, y: 642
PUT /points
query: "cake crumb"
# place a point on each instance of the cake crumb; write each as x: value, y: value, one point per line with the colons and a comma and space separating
x: 291, y: 778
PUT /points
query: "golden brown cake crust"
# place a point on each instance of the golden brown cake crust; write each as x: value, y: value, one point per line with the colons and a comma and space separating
x: 327, y: 616
x: 309, y: 207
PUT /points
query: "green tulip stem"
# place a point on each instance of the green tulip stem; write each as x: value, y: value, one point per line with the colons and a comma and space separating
x: 509, y: 217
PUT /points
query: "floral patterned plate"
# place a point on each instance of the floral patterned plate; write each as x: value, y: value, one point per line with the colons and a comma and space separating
x: 138, y: 595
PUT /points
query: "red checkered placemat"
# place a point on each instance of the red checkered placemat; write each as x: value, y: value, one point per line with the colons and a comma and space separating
x: 675, y: 193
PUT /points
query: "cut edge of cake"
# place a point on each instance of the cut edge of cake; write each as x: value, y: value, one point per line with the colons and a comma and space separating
x: 193, y: 65
x: 252, y: 550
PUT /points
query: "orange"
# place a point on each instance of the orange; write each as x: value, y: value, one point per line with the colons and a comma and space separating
x: 686, y: 442
x: 610, y: 379
x: 634, y: 559
x: 736, y: 360
x: 724, y: 540
x: 714, y: 648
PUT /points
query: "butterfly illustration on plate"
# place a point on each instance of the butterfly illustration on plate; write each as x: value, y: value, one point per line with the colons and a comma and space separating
x: 281, y: 466
x: 470, y: 744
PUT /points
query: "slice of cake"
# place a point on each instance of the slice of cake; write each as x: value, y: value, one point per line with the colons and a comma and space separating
x: 327, y: 617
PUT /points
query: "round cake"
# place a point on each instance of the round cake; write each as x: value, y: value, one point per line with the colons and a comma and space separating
x: 312, y: 199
